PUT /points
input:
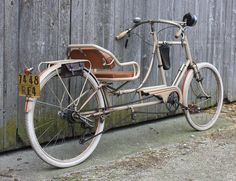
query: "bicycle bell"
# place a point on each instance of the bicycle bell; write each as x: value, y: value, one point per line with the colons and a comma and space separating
x: 137, y: 20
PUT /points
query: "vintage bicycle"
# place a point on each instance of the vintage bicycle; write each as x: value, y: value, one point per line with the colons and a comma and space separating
x: 65, y: 123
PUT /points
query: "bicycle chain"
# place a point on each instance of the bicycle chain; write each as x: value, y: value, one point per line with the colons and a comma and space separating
x: 83, y: 140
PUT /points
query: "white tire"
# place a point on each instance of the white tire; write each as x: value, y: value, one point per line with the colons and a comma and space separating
x: 202, y: 112
x: 66, y: 152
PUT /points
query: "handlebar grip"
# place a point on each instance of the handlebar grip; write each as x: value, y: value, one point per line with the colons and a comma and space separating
x: 178, y: 33
x: 122, y: 34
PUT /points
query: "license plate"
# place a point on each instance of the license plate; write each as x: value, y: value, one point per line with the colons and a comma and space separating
x: 29, y: 85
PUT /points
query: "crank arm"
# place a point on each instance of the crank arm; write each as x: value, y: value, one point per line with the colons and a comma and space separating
x: 82, y: 141
x: 183, y: 106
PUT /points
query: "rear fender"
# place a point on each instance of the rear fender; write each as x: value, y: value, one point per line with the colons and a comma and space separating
x: 29, y: 102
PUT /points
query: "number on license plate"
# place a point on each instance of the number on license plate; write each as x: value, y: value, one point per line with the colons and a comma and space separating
x: 29, y: 85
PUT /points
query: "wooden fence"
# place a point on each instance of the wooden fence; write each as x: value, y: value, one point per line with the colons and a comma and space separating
x: 32, y: 31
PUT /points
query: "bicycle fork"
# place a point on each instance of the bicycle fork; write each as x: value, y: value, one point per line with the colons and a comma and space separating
x: 199, y: 79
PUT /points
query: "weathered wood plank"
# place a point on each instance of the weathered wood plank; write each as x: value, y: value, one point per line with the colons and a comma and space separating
x: 2, y: 18
x: 119, y: 26
x: 126, y: 9
x: 10, y: 72
x: 108, y: 9
x: 89, y: 21
x: 218, y: 36
x: 64, y: 27
x: 30, y: 51
x: 76, y: 21
x: 228, y: 49
x: 44, y: 35
x: 232, y: 84
x: 227, y: 73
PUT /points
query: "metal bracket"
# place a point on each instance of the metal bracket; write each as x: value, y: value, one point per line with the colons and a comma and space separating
x: 71, y: 69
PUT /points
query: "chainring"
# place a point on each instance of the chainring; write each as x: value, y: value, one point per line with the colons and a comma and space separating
x: 172, y: 102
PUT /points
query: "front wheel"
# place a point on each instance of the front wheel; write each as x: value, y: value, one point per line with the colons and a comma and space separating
x: 61, y: 124
x: 203, y: 96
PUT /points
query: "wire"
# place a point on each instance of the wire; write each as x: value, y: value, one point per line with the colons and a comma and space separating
x: 157, y: 34
x: 142, y: 39
x: 165, y: 28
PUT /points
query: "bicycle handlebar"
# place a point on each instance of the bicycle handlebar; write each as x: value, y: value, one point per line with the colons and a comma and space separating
x: 178, y: 24
x: 122, y: 34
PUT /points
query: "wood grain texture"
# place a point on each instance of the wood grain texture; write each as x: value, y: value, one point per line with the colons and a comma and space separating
x: 10, y: 67
x: 44, y: 33
x: 2, y: 39
x: 34, y: 31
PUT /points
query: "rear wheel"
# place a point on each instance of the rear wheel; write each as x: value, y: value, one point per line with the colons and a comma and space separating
x: 61, y: 123
x: 203, y: 97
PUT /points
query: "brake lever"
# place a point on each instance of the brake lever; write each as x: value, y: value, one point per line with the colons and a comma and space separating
x: 126, y: 41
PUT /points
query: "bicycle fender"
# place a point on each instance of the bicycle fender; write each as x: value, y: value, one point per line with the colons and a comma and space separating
x: 189, y: 76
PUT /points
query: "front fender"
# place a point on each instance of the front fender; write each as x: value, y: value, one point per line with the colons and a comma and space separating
x: 189, y: 77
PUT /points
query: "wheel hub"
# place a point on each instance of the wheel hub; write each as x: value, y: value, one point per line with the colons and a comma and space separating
x: 73, y: 117
x: 67, y: 115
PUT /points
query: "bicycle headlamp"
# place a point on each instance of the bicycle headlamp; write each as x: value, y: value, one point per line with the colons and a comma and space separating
x: 190, y: 19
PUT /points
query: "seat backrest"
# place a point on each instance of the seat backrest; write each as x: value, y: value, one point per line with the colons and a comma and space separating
x: 98, y: 59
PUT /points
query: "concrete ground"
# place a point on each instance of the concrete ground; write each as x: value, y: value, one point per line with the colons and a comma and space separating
x: 163, y: 150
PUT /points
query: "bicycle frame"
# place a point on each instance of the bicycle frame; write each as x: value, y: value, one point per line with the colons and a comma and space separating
x: 155, y: 55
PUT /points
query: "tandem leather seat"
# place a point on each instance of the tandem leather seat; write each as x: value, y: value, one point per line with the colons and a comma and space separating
x: 103, y: 62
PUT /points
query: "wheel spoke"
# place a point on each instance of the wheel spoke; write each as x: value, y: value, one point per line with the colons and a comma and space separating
x: 43, y: 125
x: 50, y: 89
x: 56, y: 135
x: 73, y: 102
x: 56, y: 130
x: 85, y: 82
x: 64, y: 86
x: 90, y: 97
x: 45, y: 131
x: 53, y: 105
x: 58, y: 100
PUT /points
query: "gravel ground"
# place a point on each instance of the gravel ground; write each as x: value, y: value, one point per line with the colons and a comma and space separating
x: 210, y: 156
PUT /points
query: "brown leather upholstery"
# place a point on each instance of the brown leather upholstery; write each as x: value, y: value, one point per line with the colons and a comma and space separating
x: 96, y: 57
x: 113, y: 74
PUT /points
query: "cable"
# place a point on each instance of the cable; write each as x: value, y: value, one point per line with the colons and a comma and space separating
x: 157, y: 34
x: 142, y: 39
x: 165, y: 28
